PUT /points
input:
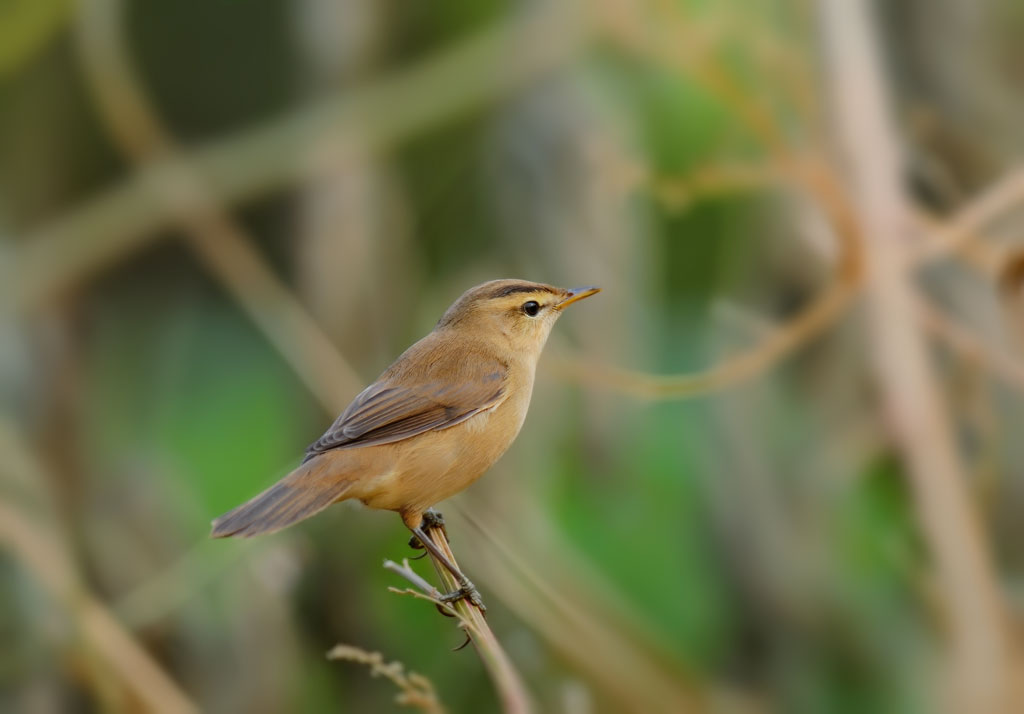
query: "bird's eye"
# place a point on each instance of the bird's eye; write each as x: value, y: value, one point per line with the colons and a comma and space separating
x: 531, y: 308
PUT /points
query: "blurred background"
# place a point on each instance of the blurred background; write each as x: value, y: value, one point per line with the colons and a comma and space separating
x: 773, y: 467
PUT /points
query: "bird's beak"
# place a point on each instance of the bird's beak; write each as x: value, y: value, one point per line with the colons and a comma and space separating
x: 577, y: 294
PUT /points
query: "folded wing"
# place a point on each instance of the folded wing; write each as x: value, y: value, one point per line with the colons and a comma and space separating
x: 401, y: 405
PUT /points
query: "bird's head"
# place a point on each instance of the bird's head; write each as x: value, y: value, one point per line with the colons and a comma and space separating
x: 517, y: 310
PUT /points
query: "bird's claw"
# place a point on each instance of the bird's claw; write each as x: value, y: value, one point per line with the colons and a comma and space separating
x: 466, y: 591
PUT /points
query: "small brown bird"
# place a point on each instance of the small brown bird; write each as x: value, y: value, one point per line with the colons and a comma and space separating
x: 431, y: 424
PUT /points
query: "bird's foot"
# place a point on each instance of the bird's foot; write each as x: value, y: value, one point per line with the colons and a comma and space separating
x: 431, y: 519
x: 467, y: 591
x: 434, y: 519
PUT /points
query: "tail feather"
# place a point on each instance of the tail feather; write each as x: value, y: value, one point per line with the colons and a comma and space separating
x: 290, y: 500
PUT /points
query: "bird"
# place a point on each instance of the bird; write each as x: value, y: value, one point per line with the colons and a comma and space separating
x: 430, y: 425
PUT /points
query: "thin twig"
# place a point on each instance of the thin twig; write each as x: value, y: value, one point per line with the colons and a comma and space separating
x: 1005, y: 367
x: 405, y: 570
x: 956, y: 233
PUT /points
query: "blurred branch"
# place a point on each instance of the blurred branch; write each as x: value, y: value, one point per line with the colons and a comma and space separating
x: 257, y: 161
x: 213, y: 236
x: 979, y: 665
x: 415, y: 690
x: 47, y: 557
x: 691, y: 44
x: 677, y: 193
x: 964, y: 241
x: 1004, y: 367
x: 955, y: 234
x: 511, y: 691
x: 817, y: 182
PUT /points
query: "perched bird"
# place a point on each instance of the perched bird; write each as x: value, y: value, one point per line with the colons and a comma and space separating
x: 431, y: 424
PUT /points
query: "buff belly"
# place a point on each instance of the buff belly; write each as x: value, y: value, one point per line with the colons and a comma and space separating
x: 431, y: 467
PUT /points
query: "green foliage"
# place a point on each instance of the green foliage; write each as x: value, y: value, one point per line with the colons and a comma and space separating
x: 26, y: 26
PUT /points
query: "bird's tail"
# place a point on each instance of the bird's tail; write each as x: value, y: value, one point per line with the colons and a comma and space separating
x: 297, y: 496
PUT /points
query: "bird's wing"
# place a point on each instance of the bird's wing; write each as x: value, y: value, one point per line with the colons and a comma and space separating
x: 403, y: 404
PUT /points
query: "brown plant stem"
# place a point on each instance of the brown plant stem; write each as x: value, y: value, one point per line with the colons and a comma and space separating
x: 511, y: 692
x: 979, y: 652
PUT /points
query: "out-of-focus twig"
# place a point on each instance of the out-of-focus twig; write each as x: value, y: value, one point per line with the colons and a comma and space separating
x: 956, y: 233
x: 984, y: 256
x: 679, y: 192
x: 817, y: 182
x: 690, y: 44
x: 1004, y: 367
x: 37, y: 544
x: 970, y: 597
x: 213, y: 236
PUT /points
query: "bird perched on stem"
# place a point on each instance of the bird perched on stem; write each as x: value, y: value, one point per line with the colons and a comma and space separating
x: 431, y: 424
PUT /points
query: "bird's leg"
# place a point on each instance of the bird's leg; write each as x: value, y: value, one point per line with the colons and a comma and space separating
x: 431, y: 519
x: 467, y: 590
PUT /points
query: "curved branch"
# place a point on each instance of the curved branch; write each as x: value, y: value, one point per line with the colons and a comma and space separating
x: 822, y: 312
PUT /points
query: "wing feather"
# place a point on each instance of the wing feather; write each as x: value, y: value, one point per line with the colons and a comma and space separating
x: 448, y: 389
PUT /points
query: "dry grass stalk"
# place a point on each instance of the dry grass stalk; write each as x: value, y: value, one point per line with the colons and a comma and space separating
x: 511, y: 691
x: 415, y: 690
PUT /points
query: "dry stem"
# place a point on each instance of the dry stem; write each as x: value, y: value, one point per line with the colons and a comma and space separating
x: 978, y: 645
x: 511, y: 691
